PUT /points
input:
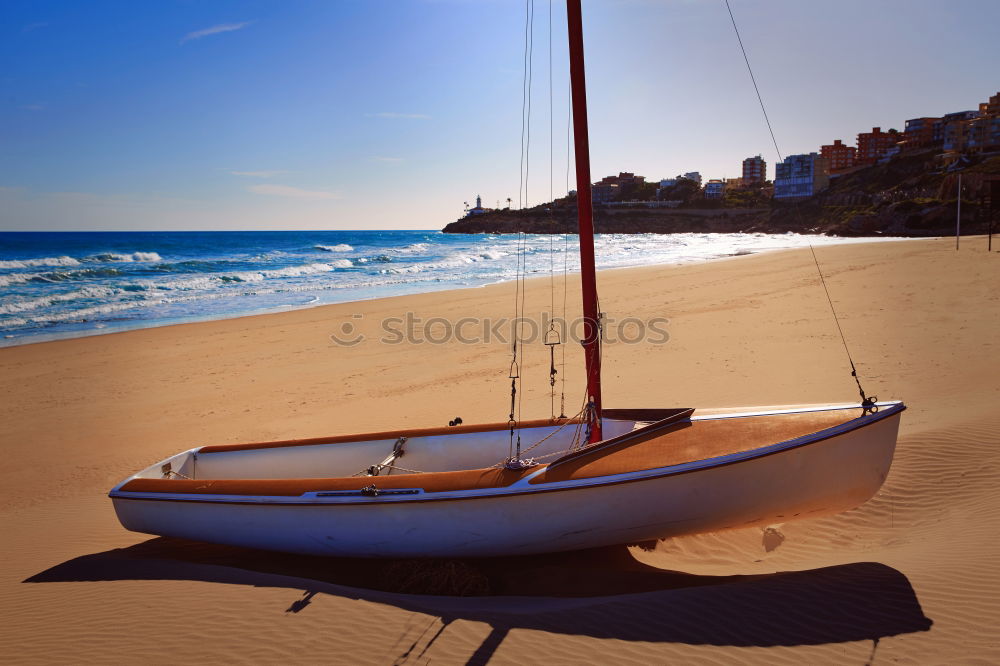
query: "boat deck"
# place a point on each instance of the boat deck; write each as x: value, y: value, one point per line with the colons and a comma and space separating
x: 689, y: 441
x: 663, y: 446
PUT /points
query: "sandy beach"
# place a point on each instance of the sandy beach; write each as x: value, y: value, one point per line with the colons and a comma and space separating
x: 912, y: 576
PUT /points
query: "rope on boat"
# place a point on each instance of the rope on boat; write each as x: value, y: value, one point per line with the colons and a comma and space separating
x: 521, y: 463
x: 171, y: 472
x: 552, y: 336
x: 578, y: 420
x: 569, y: 145
x: 517, y: 351
x: 754, y: 80
x: 403, y: 469
x: 867, y: 402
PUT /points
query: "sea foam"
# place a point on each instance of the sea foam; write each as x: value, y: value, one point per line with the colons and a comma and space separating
x: 42, y: 261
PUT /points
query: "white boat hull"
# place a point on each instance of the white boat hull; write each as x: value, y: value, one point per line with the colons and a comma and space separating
x: 833, y: 472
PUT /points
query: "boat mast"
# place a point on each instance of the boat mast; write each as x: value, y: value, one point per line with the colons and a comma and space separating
x: 591, y: 313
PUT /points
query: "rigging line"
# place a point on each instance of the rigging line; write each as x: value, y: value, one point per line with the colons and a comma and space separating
x: 868, y: 404
x: 552, y: 287
x: 569, y: 133
x: 865, y: 401
x: 565, y: 325
x: 530, y: 42
x: 515, y: 370
x: 524, y: 101
x: 552, y: 247
x: 754, y: 80
x: 565, y: 328
x: 551, y: 112
x: 527, y: 131
x: 520, y: 325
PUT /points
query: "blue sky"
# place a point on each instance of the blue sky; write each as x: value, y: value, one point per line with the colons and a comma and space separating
x: 364, y: 114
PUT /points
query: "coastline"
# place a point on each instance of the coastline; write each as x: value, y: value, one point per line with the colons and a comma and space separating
x: 79, y: 415
x: 467, y: 263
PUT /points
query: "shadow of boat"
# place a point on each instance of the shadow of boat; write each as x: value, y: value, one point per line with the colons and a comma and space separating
x: 602, y: 593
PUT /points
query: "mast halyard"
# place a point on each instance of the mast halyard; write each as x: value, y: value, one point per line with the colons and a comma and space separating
x: 585, y: 217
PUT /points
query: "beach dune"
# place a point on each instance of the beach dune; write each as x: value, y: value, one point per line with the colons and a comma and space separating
x: 910, y: 576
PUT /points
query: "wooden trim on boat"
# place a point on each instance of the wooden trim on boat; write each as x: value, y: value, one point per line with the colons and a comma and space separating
x: 388, y: 434
x: 430, y: 482
x: 464, y: 480
x: 676, y: 418
x: 173, y: 493
x: 647, y: 414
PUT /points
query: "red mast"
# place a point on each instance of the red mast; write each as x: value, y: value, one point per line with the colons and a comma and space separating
x: 591, y: 314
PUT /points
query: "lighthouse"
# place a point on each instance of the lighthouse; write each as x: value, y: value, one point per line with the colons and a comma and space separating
x: 478, y: 210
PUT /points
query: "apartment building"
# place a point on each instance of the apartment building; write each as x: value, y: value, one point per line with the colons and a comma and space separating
x: 840, y: 156
x: 801, y: 176
x: 603, y: 192
x: 715, y: 189
x: 754, y: 171
x: 875, y: 144
x: 922, y: 133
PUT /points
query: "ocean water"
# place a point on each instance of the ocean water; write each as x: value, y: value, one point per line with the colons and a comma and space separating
x: 68, y: 284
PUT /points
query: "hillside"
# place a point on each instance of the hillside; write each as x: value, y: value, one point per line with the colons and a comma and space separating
x: 908, y: 196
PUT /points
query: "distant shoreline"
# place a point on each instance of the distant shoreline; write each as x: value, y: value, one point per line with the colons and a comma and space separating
x: 911, y: 196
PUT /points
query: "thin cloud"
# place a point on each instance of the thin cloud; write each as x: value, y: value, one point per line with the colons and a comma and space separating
x: 292, y: 192
x: 390, y: 160
x: 392, y: 114
x: 32, y: 107
x: 258, y: 174
x: 214, y: 30
x: 34, y: 26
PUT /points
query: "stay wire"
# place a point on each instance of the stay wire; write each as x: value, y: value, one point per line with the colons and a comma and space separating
x: 525, y: 90
x: 522, y: 194
x: 551, y: 111
x: 552, y: 249
x: 530, y: 43
x: 868, y: 404
x: 754, y: 80
x: 565, y: 326
x: 530, y: 40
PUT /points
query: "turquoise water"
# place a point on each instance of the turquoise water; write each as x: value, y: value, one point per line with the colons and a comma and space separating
x: 67, y: 284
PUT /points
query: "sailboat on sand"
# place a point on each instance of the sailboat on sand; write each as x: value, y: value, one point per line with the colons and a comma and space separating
x: 607, y: 476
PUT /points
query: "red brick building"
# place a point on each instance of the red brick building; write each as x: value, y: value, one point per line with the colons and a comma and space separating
x: 610, y: 188
x: 841, y: 157
x: 754, y: 171
x: 873, y: 145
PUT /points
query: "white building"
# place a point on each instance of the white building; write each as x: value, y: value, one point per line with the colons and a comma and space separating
x: 478, y: 210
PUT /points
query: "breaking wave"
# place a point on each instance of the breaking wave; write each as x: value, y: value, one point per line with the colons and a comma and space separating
x: 87, y: 293
x: 114, y: 257
x: 43, y: 261
x: 65, y: 260
x: 76, y: 286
